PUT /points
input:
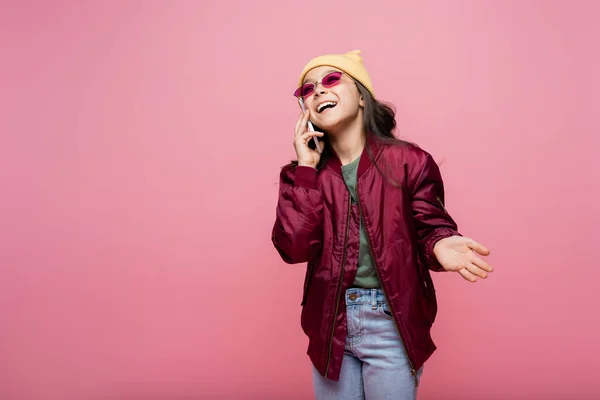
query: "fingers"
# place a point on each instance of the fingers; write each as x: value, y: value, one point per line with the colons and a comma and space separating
x: 302, y: 123
x: 478, y: 262
x: 476, y: 271
x: 303, y: 140
x: 308, y: 134
x: 306, y: 155
x: 467, y: 275
x: 478, y: 247
x: 298, y: 124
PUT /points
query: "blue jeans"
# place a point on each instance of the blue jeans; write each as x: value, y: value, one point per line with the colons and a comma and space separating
x: 375, y: 365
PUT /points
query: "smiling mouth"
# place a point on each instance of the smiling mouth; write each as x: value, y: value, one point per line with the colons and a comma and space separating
x: 325, y: 106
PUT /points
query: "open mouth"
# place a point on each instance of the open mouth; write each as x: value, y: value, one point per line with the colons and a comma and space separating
x: 325, y: 106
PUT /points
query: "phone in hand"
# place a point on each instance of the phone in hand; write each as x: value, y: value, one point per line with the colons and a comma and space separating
x: 311, y: 128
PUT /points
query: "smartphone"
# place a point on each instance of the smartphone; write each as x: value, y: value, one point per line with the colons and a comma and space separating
x: 311, y: 128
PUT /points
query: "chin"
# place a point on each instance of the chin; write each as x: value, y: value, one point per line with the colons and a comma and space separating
x: 332, y: 125
x: 329, y: 123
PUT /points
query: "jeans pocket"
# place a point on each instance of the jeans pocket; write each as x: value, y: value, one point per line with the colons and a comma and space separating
x: 384, y: 311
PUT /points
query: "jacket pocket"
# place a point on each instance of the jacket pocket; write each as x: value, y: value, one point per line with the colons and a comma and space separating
x: 427, y: 283
x: 429, y: 296
x: 307, y: 279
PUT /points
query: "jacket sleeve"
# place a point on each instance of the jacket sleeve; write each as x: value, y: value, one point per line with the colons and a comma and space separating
x: 431, y: 219
x: 298, y: 231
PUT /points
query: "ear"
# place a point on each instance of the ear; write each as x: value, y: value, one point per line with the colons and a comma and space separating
x: 361, y: 102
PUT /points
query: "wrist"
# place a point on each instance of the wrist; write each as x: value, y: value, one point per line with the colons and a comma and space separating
x: 306, y: 164
x: 438, y: 243
x: 437, y: 246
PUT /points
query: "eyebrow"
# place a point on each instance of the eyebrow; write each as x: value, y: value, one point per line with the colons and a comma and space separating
x: 326, y: 73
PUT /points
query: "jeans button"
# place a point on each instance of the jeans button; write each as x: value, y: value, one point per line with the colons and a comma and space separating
x: 353, y: 296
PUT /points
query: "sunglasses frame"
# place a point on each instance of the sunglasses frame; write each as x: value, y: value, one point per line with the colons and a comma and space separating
x: 298, y: 91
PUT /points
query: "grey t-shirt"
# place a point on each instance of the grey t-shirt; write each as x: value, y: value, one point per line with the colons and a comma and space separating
x: 366, y: 275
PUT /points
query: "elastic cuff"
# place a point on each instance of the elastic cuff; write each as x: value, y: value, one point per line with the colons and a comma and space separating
x: 306, y: 177
x: 438, y: 234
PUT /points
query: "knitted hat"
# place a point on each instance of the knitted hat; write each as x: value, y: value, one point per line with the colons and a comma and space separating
x: 351, y: 63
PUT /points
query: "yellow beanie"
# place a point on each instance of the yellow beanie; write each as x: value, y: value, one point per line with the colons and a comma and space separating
x: 351, y: 63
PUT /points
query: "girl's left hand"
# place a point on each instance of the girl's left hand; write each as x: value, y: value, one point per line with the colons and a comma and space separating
x: 458, y: 253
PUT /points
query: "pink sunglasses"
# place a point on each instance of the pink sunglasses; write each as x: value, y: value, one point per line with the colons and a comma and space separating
x: 328, y: 81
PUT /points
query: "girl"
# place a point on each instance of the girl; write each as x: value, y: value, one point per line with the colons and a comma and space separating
x: 367, y: 215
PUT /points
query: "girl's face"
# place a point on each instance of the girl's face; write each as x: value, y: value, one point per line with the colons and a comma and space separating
x: 334, y: 107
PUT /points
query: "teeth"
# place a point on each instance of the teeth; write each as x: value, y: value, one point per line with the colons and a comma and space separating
x: 321, y: 106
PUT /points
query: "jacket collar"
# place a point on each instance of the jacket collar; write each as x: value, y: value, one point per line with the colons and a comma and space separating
x: 365, y: 161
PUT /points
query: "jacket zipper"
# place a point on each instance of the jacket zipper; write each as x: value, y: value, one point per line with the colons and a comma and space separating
x: 339, y: 287
x: 413, y: 371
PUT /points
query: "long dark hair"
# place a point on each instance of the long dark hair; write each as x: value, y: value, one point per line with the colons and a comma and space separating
x: 379, y: 121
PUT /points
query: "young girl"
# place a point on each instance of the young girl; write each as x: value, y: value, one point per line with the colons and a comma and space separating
x: 367, y: 215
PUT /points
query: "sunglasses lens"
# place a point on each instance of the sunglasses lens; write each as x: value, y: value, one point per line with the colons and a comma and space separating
x: 304, y: 90
x: 332, y: 79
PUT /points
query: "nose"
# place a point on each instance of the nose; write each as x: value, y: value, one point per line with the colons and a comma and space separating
x: 320, y: 89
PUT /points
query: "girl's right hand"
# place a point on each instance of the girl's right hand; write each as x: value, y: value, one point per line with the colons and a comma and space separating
x: 306, y: 156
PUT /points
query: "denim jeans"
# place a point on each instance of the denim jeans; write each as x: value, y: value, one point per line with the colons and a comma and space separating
x: 375, y: 365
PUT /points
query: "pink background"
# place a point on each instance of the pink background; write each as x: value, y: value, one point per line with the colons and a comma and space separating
x: 139, y: 152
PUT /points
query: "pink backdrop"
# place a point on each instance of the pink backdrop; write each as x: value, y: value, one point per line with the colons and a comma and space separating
x: 139, y: 152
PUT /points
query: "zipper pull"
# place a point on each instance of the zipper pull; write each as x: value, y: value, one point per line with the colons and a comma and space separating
x: 414, y: 374
x: 441, y: 204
